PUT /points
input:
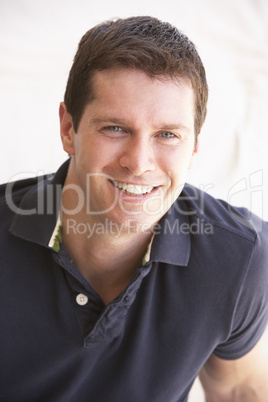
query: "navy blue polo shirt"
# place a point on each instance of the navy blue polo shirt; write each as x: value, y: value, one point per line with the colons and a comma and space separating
x: 203, y: 290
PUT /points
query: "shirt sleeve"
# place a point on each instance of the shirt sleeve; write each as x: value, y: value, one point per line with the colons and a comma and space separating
x: 250, y: 316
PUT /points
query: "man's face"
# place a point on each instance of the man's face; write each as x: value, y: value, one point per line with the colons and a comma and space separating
x: 133, y: 147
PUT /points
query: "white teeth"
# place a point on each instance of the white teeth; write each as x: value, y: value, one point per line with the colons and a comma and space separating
x: 132, y: 189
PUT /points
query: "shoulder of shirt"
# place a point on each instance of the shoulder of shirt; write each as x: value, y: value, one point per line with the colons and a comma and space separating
x: 237, y: 220
x: 17, y: 189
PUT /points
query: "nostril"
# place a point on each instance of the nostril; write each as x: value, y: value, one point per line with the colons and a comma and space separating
x: 137, y: 161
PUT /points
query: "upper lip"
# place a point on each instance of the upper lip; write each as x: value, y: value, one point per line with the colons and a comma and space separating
x: 134, y: 183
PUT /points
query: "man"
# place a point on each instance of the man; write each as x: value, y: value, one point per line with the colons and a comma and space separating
x: 119, y: 282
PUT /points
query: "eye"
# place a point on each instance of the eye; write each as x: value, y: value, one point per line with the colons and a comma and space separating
x: 168, y: 138
x: 167, y: 134
x: 113, y: 132
x: 114, y: 128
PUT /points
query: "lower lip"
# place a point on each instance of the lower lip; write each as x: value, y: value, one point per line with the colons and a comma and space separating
x: 133, y: 198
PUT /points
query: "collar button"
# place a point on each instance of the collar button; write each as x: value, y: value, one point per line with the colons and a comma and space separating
x: 81, y: 299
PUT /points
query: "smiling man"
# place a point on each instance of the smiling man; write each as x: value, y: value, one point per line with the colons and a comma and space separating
x: 126, y: 282
x: 137, y: 144
x: 130, y: 156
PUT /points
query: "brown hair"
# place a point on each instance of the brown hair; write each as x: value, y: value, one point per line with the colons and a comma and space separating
x: 143, y: 43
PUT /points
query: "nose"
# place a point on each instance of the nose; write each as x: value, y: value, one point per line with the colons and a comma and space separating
x: 137, y: 156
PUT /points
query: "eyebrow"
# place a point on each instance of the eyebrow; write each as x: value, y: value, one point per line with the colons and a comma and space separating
x: 107, y: 120
x: 164, y: 127
x: 174, y: 127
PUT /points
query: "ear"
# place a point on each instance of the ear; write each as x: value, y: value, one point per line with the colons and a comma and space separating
x: 66, y: 129
x: 195, y: 151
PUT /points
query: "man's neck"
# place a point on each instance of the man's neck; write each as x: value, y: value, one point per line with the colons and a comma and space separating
x: 106, y: 260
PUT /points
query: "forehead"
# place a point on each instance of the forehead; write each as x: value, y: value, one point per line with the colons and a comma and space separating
x: 139, y: 101
x: 111, y: 85
x: 120, y: 74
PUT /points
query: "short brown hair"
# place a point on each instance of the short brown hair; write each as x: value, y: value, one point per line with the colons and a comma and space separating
x: 143, y: 43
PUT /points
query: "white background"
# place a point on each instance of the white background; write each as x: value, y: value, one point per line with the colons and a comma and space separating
x: 38, y: 40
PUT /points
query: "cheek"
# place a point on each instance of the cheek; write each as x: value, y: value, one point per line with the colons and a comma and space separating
x: 177, y: 168
x: 89, y: 155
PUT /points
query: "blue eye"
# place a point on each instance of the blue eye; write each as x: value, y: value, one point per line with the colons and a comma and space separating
x: 114, y: 131
x: 114, y: 128
x: 167, y: 134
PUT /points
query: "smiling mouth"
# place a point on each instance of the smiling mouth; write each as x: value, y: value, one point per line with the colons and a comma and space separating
x: 132, y: 189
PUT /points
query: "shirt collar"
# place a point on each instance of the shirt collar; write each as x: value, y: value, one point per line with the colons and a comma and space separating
x: 38, y: 211
x: 170, y: 243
